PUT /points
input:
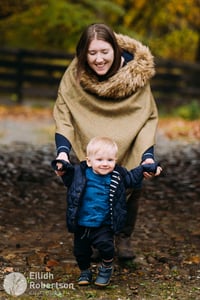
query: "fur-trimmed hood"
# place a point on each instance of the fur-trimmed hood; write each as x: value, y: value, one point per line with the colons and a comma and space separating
x: 121, y: 107
x: 128, y: 79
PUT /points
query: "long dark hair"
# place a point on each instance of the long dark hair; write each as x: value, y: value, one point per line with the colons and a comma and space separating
x: 100, y: 32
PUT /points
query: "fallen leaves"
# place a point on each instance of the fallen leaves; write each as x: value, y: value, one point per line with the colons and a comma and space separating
x: 176, y: 128
x: 24, y: 112
x: 195, y: 259
x: 8, y: 270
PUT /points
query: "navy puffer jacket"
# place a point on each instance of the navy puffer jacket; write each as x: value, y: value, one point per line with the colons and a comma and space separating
x: 121, y: 179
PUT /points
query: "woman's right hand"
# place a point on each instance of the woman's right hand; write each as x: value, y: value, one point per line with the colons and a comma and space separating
x: 62, y: 156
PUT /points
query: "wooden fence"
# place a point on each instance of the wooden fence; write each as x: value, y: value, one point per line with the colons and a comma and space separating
x: 36, y: 74
x: 176, y: 83
x: 26, y: 73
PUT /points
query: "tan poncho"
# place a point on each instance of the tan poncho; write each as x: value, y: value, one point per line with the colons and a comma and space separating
x: 121, y: 107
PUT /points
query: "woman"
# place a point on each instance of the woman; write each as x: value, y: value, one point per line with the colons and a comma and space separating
x: 106, y: 91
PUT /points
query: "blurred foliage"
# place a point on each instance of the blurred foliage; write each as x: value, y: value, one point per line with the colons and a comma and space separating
x: 171, y: 28
x: 189, y: 111
x: 50, y: 24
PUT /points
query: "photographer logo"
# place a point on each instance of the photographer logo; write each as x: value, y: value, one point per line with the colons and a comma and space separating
x: 15, y: 284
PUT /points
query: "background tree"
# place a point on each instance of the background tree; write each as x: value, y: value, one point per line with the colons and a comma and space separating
x: 50, y: 24
x: 170, y: 28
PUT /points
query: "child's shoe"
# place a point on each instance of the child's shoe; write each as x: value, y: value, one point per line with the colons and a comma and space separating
x: 85, y: 277
x: 104, y: 275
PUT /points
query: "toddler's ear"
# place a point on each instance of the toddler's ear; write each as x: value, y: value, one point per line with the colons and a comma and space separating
x: 88, y: 162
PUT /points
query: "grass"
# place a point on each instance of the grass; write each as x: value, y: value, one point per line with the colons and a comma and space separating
x: 125, y: 285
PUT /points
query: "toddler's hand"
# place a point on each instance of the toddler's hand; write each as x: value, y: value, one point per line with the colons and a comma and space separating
x: 148, y: 175
x: 59, y: 162
x: 61, y: 166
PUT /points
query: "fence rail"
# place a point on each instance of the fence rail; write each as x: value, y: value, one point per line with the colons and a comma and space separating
x: 26, y: 73
x: 176, y: 83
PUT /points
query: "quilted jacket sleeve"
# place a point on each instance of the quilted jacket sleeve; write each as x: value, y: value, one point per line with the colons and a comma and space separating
x: 134, y: 177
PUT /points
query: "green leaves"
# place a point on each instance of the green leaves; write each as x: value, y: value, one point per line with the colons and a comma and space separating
x: 171, y: 29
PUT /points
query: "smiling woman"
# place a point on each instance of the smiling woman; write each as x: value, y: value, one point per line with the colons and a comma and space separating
x: 106, y: 92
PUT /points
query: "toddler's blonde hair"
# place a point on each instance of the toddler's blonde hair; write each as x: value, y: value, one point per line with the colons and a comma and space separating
x: 101, y: 143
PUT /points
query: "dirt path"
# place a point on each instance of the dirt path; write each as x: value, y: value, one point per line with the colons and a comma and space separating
x: 34, y: 239
x: 26, y: 125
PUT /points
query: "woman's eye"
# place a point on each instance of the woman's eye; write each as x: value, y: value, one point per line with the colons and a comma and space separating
x: 91, y: 53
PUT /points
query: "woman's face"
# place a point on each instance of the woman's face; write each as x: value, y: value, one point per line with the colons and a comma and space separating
x: 100, y: 56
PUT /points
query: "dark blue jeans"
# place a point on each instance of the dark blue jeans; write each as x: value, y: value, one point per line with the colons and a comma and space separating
x: 85, y: 238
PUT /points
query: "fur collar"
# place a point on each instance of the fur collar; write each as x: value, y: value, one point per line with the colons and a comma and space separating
x: 129, y: 78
